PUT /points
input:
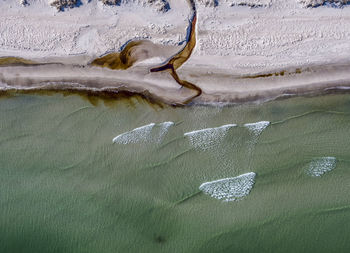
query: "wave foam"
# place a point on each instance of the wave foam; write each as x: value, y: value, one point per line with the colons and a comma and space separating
x: 322, y: 165
x: 140, y: 134
x: 144, y: 134
x: 164, y: 128
x: 230, y: 189
x: 206, y: 138
x: 258, y: 127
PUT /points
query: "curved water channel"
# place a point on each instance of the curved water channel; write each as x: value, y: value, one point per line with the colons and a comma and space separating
x: 129, y: 56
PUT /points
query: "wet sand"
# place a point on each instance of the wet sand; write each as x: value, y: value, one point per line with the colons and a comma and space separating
x: 217, y: 86
x: 178, y: 81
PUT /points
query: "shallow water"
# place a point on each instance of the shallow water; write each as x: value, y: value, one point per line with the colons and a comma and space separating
x: 65, y: 186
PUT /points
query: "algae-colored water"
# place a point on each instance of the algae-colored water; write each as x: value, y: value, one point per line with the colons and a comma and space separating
x: 65, y: 186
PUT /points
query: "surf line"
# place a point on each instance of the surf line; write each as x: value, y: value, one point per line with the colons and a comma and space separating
x: 181, y: 57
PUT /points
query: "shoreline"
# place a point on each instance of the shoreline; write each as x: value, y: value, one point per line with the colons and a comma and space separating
x: 161, y: 88
x: 231, y: 55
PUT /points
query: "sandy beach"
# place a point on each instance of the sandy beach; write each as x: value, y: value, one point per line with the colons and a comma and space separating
x: 244, y: 51
x: 170, y: 126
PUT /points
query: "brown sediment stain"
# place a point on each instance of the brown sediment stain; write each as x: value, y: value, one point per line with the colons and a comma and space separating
x: 109, y: 98
x: 187, y: 85
x: 181, y: 57
x: 122, y: 60
x: 281, y: 73
x: 128, y: 56
x: 10, y: 61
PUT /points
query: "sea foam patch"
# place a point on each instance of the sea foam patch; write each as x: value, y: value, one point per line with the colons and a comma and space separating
x: 207, y: 138
x: 149, y: 133
x: 258, y: 127
x: 230, y: 189
x: 322, y: 165
x: 140, y: 134
x: 163, y: 129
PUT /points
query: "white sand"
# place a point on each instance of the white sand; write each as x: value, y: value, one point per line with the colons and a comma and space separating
x: 232, y: 41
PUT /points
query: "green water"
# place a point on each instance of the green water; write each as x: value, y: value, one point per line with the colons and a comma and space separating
x: 66, y: 187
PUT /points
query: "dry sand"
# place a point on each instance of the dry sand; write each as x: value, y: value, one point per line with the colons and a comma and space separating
x: 242, y: 53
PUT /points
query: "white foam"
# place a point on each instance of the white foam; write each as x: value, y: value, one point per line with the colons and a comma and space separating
x: 164, y: 128
x: 140, y: 134
x: 230, y: 189
x: 322, y: 165
x: 339, y: 88
x: 207, y: 138
x: 144, y: 134
x: 258, y: 127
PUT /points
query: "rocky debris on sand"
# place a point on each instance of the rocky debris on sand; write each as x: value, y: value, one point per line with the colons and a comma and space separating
x: 316, y: 3
x: 111, y: 2
x: 61, y: 4
x: 250, y: 3
x: 23, y: 2
x: 208, y: 3
x: 159, y: 5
